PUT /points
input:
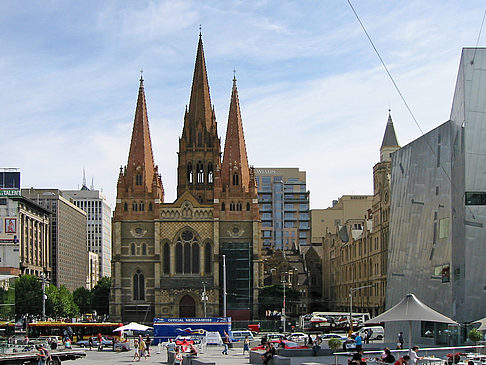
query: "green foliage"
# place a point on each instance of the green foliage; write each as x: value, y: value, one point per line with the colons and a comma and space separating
x: 335, y: 343
x: 60, y: 302
x: 271, y: 298
x: 28, y: 295
x: 101, y: 296
x: 7, y: 297
x: 475, y: 335
x: 82, y: 298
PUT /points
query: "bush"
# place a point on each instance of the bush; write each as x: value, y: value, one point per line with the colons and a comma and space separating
x: 335, y: 343
x: 474, y: 335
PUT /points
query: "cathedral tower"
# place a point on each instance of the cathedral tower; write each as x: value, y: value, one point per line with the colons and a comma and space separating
x: 236, y: 208
x: 199, y: 146
x: 139, y: 195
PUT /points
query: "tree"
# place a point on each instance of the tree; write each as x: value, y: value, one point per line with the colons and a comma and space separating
x: 60, y: 302
x: 335, y: 343
x: 271, y: 298
x: 101, y: 296
x: 28, y: 295
x: 7, y: 299
x: 82, y: 298
x: 474, y: 335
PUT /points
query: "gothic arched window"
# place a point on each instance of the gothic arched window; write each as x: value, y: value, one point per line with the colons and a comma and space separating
x: 232, y: 206
x: 150, y: 207
x: 179, y: 258
x: 141, y: 207
x: 187, y: 253
x: 166, y: 253
x: 238, y: 206
x: 132, y: 249
x: 135, y: 206
x: 138, y: 179
x: 189, y: 173
x: 210, y: 173
x: 125, y: 207
x: 144, y: 249
x: 236, y: 179
x: 200, y: 172
x: 207, y: 258
x: 223, y: 207
x: 248, y: 206
x: 199, y: 139
x: 138, y: 286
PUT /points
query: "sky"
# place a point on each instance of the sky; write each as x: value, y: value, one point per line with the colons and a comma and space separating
x: 313, y: 94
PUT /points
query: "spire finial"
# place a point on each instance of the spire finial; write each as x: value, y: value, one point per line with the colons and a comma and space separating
x: 234, y: 74
x: 200, y: 31
x: 141, y: 75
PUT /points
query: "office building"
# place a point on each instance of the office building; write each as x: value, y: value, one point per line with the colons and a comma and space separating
x: 284, y: 208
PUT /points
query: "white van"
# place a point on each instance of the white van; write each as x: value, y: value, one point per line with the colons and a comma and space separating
x: 240, y: 335
x: 378, y: 332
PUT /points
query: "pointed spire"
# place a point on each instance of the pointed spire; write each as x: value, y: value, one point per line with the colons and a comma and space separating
x: 390, y: 142
x: 84, y: 178
x: 235, y: 158
x: 140, y: 158
x: 200, y: 102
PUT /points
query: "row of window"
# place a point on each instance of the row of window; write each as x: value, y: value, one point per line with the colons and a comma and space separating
x: 200, y: 174
x: 138, y: 207
x: 235, y: 206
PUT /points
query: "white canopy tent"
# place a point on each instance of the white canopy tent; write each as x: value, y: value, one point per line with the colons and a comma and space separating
x: 482, y: 323
x: 411, y: 309
x: 133, y: 326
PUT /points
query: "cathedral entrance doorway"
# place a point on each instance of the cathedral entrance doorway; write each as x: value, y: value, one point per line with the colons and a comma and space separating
x: 187, y: 307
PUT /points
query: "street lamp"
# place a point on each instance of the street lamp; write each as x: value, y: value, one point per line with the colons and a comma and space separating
x: 283, y: 309
x: 204, y: 297
x: 44, y: 297
x: 351, y: 291
x: 224, y: 286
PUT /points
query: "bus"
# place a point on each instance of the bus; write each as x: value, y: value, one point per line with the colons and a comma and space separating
x: 77, y: 331
x: 331, y: 321
x: 7, y: 329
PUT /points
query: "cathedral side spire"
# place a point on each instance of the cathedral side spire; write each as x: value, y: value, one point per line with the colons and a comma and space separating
x: 235, y: 170
x: 390, y: 141
x: 140, y: 158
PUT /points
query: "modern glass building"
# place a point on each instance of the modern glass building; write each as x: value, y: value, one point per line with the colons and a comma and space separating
x: 284, y: 208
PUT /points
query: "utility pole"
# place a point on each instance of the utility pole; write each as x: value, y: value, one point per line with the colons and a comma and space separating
x: 204, y: 298
x: 44, y: 297
x: 283, y: 310
x: 351, y: 291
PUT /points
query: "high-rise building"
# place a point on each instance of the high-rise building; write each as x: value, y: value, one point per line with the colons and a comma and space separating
x: 166, y: 255
x: 438, y: 212
x: 284, y: 208
x: 69, y: 252
x: 98, y: 228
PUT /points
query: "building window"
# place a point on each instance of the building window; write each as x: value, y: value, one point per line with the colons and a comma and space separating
x: 189, y: 173
x: 223, y: 207
x: 138, y: 286
x: 200, y: 173
x: 144, y: 249
x: 132, y: 249
x: 195, y: 258
x: 232, y: 206
x: 187, y: 253
x: 199, y: 139
x: 125, y: 207
x: 475, y: 198
x: 236, y: 179
x: 134, y: 206
x: 150, y: 207
x: 138, y: 179
x: 166, y: 253
x: 248, y: 207
x: 210, y: 173
x: 238, y: 206
x: 207, y: 258
x: 142, y: 206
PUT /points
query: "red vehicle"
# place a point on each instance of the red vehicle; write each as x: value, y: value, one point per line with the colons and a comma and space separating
x: 288, y: 345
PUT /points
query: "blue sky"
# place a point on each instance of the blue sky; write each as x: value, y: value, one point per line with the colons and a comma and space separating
x: 312, y: 92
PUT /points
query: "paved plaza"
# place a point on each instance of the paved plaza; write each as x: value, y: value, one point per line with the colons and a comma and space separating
x: 212, y: 353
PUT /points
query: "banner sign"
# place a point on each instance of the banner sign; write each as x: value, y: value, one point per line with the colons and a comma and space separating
x: 10, y: 192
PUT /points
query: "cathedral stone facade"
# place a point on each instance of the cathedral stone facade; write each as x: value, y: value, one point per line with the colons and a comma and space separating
x: 168, y: 257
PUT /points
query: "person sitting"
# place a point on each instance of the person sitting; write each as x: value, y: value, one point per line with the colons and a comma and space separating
x: 403, y: 360
x: 269, y: 353
x: 192, y: 350
x: 357, y: 358
x: 386, y: 357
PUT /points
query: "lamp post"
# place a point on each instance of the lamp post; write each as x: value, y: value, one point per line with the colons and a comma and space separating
x: 351, y: 291
x: 204, y: 298
x: 283, y: 309
x: 44, y: 297
x: 224, y: 286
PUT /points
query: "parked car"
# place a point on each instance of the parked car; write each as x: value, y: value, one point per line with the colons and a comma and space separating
x: 328, y: 336
x: 297, y: 337
x: 378, y: 332
x: 85, y: 343
x: 275, y: 336
x: 286, y: 345
x: 240, y: 335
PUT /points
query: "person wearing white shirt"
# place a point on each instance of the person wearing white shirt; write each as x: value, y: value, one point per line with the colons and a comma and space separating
x: 413, y: 356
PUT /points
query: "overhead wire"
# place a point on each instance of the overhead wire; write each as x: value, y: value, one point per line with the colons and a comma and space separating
x: 405, y: 102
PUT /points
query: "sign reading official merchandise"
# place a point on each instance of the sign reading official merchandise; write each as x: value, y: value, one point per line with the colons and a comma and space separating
x: 9, y: 192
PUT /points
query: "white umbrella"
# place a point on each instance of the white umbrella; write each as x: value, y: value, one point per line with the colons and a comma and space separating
x: 482, y: 327
x: 411, y: 309
x: 133, y: 326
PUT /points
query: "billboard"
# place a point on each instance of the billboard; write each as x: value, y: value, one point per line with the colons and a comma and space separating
x: 9, y: 179
x: 165, y: 328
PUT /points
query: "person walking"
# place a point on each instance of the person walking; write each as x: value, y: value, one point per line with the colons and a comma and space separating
x: 178, y: 358
x: 142, y: 347
x: 136, y: 354
x: 246, y: 345
x: 225, y: 344
x: 148, y: 341
x: 413, y: 356
x: 90, y: 343
x: 171, y: 347
x: 358, y: 340
x: 41, y: 355
x: 400, y: 341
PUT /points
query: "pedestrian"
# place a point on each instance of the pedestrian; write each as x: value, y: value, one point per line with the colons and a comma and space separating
x: 178, y: 357
x: 100, y: 342
x: 358, y: 340
x: 171, y: 347
x: 142, y: 347
x: 317, y: 345
x: 90, y: 342
x: 53, y: 344
x: 225, y: 344
x: 309, y: 340
x: 246, y: 345
x: 413, y: 356
x: 41, y: 355
x: 357, y: 358
x: 400, y: 341
x: 113, y: 342
x: 269, y: 354
x: 136, y: 354
x: 148, y: 341
x: 403, y: 360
